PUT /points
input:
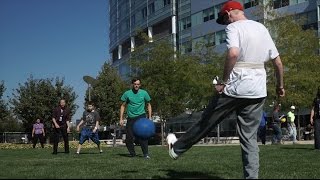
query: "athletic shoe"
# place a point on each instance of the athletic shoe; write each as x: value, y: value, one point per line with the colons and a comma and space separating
x: 147, y: 157
x: 131, y: 155
x: 101, y: 151
x: 171, y: 139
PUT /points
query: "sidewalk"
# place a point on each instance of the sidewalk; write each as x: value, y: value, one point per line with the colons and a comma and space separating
x: 259, y: 143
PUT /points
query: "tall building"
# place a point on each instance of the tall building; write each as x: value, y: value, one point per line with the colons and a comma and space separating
x: 186, y: 22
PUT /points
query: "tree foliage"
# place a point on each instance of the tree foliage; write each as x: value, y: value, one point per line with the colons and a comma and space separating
x: 298, y: 50
x: 37, y: 98
x: 7, y: 121
x: 106, y: 94
x: 175, y: 82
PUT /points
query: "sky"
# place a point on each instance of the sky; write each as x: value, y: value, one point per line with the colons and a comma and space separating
x: 53, y: 38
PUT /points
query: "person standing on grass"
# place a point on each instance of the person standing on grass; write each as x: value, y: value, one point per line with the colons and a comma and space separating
x: 276, y: 125
x: 291, y: 125
x: 38, y: 133
x: 135, y: 100
x: 242, y: 90
x: 61, y: 126
x: 90, y: 119
x: 315, y: 120
x: 262, y: 131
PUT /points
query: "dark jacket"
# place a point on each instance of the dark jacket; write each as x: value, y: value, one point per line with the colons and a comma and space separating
x: 62, y: 115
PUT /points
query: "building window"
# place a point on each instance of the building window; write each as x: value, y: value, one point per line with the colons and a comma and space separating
x: 293, y: 2
x: 144, y: 13
x: 280, y: 3
x: 217, y: 9
x: 186, y: 47
x: 166, y: 2
x: 133, y: 20
x: 208, y: 14
x: 210, y: 40
x: 220, y: 37
x: 151, y: 8
x: 196, y: 19
x: 250, y: 3
x: 185, y: 23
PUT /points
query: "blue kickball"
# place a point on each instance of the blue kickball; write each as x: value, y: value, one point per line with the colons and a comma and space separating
x: 144, y: 128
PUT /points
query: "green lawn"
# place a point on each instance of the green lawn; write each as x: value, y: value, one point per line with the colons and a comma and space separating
x: 213, y: 162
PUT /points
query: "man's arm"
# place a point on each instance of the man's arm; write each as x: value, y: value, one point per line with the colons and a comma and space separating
x: 149, y: 110
x: 56, y: 125
x: 68, y: 119
x: 232, y: 56
x: 78, y: 127
x: 122, y: 108
x: 277, y: 64
x: 33, y: 131
x: 97, y: 122
x: 43, y: 133
x: 231, y: 59
x: 312, y: 115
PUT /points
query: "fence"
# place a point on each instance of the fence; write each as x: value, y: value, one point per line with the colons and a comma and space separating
x: 15, y: 137
x: 25, y: 138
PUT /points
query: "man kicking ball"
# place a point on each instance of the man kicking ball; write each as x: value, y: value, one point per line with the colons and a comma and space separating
x: 243, y: 89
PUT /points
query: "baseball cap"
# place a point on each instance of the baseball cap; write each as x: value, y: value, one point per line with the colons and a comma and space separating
x: 228, y: 6
x: 292, y: 107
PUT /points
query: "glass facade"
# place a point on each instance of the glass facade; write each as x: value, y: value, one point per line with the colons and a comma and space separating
x: 193, y: 20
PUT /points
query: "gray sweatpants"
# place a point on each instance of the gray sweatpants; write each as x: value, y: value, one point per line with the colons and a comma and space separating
x: 248, y: 111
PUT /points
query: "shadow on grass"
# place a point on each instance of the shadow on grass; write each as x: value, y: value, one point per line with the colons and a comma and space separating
x: 128, y: 156
x: 84, y: 153
x: 296, y: 148
x: 173, y: 174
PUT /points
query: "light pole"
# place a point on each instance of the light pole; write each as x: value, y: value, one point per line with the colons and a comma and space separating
x: 91, y: 82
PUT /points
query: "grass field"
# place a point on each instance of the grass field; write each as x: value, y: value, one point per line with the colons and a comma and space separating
x: 205, y: 162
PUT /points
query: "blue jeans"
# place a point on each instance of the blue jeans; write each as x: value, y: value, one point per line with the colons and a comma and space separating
x: 87, y: 133
x: 277, y: 133
x: 292, y: 132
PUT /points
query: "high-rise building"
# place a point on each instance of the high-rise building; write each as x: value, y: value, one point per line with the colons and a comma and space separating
x: 185, y: 22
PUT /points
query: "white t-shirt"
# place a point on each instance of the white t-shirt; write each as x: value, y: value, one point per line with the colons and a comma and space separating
x: 255, y: 48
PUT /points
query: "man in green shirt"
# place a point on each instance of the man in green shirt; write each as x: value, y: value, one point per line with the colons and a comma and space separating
x: 135, y: 100
x: 291, y: 125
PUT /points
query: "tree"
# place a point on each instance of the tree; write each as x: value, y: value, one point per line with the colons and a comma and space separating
x: 106, y: 94
x: 174, y: 81
x: 37, y: 98
x: 298, y: 48
x: 7, y: 121
x: 4, y: 113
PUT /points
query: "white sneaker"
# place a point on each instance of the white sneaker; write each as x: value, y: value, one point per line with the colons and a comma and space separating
x: 101, y: 151
x: 171, y: 139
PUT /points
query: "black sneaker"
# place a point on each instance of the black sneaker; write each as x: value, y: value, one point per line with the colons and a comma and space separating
x: 132, y: 155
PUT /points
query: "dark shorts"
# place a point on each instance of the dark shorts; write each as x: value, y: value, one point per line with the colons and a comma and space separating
x: 87, y: 133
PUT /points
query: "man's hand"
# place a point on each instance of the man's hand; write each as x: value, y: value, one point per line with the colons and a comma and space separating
x: 121, y: 122
x: 68, y: 129
x: 56, y: 126
x: 78, y: 128
x: 219, y: 88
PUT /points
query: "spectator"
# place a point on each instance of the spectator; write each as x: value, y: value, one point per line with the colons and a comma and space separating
x: 38, y: 133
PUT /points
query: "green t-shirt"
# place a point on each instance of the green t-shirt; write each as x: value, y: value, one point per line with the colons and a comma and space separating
x: 135, y: 102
